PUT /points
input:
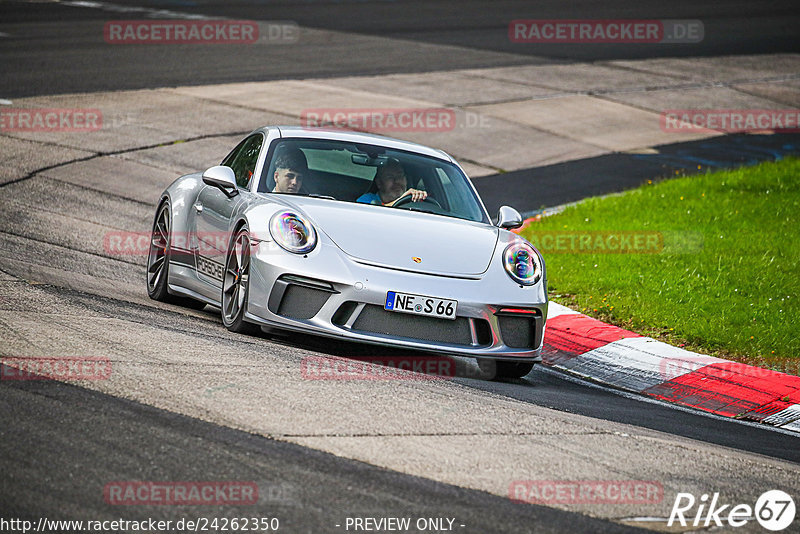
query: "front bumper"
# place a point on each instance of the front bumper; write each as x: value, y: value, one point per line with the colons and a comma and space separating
x: 330, y: 294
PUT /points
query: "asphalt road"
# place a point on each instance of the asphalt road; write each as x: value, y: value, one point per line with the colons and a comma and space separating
x: 552, y: 389
x: 61, y: 444
x: 52, y: 48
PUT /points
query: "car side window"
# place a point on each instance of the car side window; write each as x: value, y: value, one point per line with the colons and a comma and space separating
x: 243, y: 159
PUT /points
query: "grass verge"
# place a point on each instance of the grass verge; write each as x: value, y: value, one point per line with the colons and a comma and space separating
x: 708, y: 262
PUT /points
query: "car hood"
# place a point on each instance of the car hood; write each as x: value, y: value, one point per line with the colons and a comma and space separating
x: 402, y: 239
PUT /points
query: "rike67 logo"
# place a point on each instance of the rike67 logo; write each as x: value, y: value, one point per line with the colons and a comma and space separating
x: 774, y: 510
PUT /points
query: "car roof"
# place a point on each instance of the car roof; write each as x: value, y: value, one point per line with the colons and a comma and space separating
x: 359, y: 137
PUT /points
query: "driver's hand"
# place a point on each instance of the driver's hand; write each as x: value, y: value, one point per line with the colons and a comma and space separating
x: 416, y: 195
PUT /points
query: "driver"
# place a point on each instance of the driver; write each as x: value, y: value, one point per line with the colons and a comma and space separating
x: 390, y: 185
x: 290, y: 169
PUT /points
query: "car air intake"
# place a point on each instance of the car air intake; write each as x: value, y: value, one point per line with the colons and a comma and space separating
x: 520, y: 328
x: 297, y: 297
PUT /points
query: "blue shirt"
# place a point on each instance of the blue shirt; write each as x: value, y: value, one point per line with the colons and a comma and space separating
x: 370, y: 198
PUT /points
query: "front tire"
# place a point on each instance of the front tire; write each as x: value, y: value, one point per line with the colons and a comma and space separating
x: 236, y: 284
x: 501, y: 370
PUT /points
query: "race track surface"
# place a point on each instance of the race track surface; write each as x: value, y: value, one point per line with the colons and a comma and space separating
x: 189, y: 401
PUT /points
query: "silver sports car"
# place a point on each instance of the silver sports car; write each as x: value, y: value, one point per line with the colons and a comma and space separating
x: 355, y: 236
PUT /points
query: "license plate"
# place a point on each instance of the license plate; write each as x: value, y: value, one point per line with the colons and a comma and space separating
x: 420, y: 305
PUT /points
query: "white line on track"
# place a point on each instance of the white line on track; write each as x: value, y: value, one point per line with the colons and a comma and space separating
x: 266, y: 28
x: 147, y: 11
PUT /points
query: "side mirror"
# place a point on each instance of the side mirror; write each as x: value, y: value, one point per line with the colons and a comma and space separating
x: 222, y: 177
x: 508, y: 218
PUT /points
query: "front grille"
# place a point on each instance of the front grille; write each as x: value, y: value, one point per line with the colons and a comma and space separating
x: 300, y: 302
x: 376, y: 320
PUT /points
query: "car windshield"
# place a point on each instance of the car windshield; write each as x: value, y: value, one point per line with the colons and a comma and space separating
x: 346, y: 171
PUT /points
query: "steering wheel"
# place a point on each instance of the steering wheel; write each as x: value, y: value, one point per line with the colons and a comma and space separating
x: 405, y: 199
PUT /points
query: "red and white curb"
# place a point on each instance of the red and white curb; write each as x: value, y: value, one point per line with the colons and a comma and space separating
x: 611, y: 355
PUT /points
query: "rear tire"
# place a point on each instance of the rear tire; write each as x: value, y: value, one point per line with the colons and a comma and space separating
x: 158, y: 261
x: 501, y: 370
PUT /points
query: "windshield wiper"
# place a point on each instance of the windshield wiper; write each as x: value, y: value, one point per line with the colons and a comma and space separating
x: 315, y: 195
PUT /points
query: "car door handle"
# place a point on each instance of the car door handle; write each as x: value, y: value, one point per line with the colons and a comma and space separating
x: 198, y: 207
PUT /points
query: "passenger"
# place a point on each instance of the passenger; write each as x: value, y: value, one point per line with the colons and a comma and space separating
x: 290, y: 169
x: 390, y: 185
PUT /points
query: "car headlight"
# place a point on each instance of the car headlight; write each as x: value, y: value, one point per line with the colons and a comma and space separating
x: 292, y: 232
x: 522, y: 263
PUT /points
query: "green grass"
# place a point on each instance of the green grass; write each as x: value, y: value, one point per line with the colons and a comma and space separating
x: 726, y: 281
